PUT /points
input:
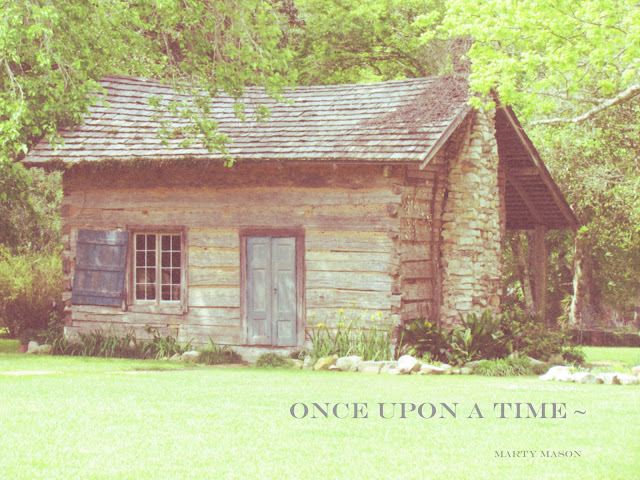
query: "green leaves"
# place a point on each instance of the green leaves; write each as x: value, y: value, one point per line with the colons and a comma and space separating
x: 549, y: 57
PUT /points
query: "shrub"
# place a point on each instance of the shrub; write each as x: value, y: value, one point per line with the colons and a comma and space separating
x: 30, y: 290
x: 529, y: 336
x: 422, y: 339
x: 273, y: 360
x: 477, y: 338
x: 352, y: 337
x: 507, y: 367
x: 573, y: 355
x: 214, y: 354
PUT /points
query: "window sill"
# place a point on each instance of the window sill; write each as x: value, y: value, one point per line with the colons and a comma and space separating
x: 159, y: 309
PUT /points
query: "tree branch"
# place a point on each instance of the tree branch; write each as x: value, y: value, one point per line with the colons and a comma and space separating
x: 622, y: 97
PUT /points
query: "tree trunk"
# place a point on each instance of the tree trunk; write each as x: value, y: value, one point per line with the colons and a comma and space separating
x: 582, y: 273
x: 522, y: 261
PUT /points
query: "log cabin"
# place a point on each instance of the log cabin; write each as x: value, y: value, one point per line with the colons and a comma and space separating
x: 393, y: 197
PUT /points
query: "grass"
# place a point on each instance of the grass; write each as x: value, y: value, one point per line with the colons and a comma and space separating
x: 625, y: 355
x: 92, y: 421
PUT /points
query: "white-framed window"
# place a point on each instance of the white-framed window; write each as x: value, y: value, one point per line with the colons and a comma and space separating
x: 158, y: 264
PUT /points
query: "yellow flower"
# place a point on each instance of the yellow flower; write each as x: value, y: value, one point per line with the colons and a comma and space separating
x: 341, y: 310
x: 321, y: 325
x: 341, y: 324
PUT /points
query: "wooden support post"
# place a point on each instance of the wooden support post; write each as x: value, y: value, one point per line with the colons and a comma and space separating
x: 540, y: 269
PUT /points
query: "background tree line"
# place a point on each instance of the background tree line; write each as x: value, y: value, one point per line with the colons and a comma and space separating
x: 569, y: 68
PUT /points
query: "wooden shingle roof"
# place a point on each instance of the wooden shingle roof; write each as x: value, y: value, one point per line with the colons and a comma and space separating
x: 391, y: 121
x: 398, y: 121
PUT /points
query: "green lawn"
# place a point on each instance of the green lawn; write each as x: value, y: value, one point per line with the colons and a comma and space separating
x: 625, y: 355
x: 107, y: 419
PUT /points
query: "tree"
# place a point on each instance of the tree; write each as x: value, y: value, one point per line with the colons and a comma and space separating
x: 351, y: 41
x: 557, y: 61
x: 52, y: 53
x: 572, y: 70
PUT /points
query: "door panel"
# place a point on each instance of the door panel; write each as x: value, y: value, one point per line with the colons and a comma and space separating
x: 284, y: 294
x: 271, y: 291
x: 258, y: 290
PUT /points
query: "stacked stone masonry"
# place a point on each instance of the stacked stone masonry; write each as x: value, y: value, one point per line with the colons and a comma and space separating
x: 472, y: 226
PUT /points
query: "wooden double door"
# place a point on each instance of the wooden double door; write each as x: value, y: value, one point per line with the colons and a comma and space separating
x: 271, y: 294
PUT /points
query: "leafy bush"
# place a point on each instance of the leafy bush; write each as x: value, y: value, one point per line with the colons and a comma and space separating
x: 30, y: 290
x: 507, y: 367
x: 421, y: 339
x: 352, y: 337
x: 529, y: 336
x: 214, y: 354
x: 273, y: 360
x: 573, y: 355
x: 477, y: 338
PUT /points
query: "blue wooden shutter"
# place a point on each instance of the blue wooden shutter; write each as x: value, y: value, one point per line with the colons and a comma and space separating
x: 100, y: 267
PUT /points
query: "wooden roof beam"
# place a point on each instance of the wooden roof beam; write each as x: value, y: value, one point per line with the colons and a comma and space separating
x: 525, y: 197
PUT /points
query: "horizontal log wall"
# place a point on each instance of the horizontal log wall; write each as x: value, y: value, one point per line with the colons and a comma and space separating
x: 343, y: 210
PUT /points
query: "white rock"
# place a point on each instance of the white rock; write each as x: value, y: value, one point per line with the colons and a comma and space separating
x: 408, y: 364
x: 325, y: 362
x: 553, y: 372
x: 627, y: 379
x: 393, y: 371
x: 33, y: 347
x: 466, y: 371
x: 348, y: 364
x: 334, y: 368
x: 448, y: 369
x: 583, y: 377
x: 431, y: 370
x: 564, y: 376
x: 609, y: 378
x: 636, y: 371
x: 44, y: 349
x: 308, y: 363
x: 176, y: 358
x: 389, y: 366
x: 191, y: 356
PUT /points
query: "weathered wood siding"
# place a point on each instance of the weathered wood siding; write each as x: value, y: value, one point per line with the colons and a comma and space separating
x: 344, y: 210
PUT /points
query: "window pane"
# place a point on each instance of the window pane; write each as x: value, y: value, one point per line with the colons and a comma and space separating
x: 140, y: 274
x: 140, y: 259
x: 166, y: 292
x: 151, y: 259
x: 175, y: 259
x: 140, y: 290
x: 175, y: 276
x: 166, y: 276
x: 139, y: 242
x: 175, y: 242
x: 151, y: 292
x: 175, y: 292
x: 166, y: 242
x: 166, y: 259
x: 151, y: 242
x: 151, y: 275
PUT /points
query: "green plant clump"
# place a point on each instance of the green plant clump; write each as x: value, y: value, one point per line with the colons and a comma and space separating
x: 508, y: 367
x: 273, y: 360
x: 574, y: 355
x: 351, y: 336
x: 214, y: 354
